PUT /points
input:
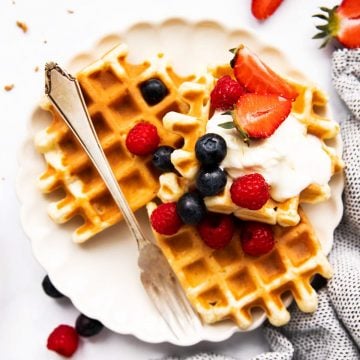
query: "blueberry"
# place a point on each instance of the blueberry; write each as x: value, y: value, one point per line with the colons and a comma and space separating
x: 210, y: 149
x: 161, y: 158
x: 191, y: 208
x: 210, y: 181
x: 50, y: 289
x: 318, y: 282
x: 153, y: 91
x: 87, y: 327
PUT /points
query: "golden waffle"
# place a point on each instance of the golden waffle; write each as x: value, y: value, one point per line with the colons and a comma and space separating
x: 111, y: 88
x: 309, y: 108
x: 226, y: 283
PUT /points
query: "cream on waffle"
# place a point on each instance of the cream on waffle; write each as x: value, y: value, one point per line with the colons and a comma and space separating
x: 227, y: 283
x: 111, y: 87
x: 309, y: 108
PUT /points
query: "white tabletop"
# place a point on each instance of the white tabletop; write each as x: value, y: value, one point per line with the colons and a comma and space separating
x: 27, y: 315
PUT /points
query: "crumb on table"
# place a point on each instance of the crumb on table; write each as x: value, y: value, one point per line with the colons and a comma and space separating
x: 22, y: 26
x: 36, y: 69
x: 70, y: 11
x: 9, y: 87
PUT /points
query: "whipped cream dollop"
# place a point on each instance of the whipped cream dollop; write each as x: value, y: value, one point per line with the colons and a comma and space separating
x: 289, y: 160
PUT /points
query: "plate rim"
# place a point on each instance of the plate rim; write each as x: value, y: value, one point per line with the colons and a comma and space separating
x: 28, y: 138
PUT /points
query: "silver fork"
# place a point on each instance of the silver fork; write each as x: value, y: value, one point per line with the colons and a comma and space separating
x: 157, y: 277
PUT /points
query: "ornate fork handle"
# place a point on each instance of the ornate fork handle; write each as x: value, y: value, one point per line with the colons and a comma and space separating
x: 70, y: 103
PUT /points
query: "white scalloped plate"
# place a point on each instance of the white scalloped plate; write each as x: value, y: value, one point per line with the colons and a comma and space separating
x: 101, y: 277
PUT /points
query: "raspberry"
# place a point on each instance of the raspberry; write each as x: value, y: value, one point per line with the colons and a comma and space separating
x: 256, y: 238
x: 216, y: 230
x: 142, y: 139
x: 225, y: 93
x: 64, y: 340
x: 250, y: 191
x: 165, y: 220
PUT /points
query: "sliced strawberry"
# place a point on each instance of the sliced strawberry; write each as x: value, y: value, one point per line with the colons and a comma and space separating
x: 262, y: 9
x: 342, y: 23
x: 349, y: 9
x: 258, y: 116
x: 257, y: 77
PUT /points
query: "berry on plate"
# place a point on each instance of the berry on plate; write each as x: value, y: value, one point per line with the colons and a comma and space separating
x: 210, y: 149
x: 256, y: 238
x: 216, y: 230
x: 153, y: 91
x: 250, y: 191
x: 257, y: 77
x: 342, y: 23
x: 262, y: 9
x: 258, y: 116
x: 225, y: 93
x: 50, y: 289
x: 210, y: 181
x: 142, y: 139
x: 165, y: 220
x: 162, y: 158
x: 87, y: 327
x: 64, y: 340
x: 191, y: 208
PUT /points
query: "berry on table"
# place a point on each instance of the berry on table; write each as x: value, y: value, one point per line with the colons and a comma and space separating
x: 210, y: 181
x: 262, y: 9
x: 64, y: 340
x: 165, y: 220
x: 210, y: 149
x: 225, y: 93
x: 162, y: 158
x: 342, y: 23
x: 191, y: 208
x: 50, y: 289
x: 256, y: 238
x: 153, y: 91
x: 87, y: 327
x: 142, y: 139
x: 250, y: 191
x: 216, y: 230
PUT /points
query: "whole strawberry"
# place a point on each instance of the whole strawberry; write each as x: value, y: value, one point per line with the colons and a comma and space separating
x: 250, y: 191
x: 165, y: 219
x: 256, y: 238
x: 262, y: 9
x: 216, y: 230
x: 342, y: 23
x: 225, y: 93
x: 64, y: 340
x: 142, y: 139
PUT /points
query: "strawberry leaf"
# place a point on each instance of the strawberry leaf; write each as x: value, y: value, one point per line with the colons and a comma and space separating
x: 320, y: 16
x: 227, y: 125
x: 319, y: 35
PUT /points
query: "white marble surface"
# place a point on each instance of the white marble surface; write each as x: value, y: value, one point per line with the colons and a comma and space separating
x: 27, y: 315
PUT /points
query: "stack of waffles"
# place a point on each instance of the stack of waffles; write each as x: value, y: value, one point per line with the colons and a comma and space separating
x: 220, y: 284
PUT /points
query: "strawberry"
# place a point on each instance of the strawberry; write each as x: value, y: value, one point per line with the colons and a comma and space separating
x: 262, y: 9
x: 258, y: 116
x: 342, y: 23
x: 256, y: 77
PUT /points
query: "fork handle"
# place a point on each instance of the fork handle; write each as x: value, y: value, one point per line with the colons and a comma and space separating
x: 65, y: 94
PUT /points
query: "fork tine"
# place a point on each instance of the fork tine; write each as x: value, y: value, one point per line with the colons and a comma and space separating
x: 188, y: 320
x: 193, y: 322
x: 164, y: 311
x: 188, y: 309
